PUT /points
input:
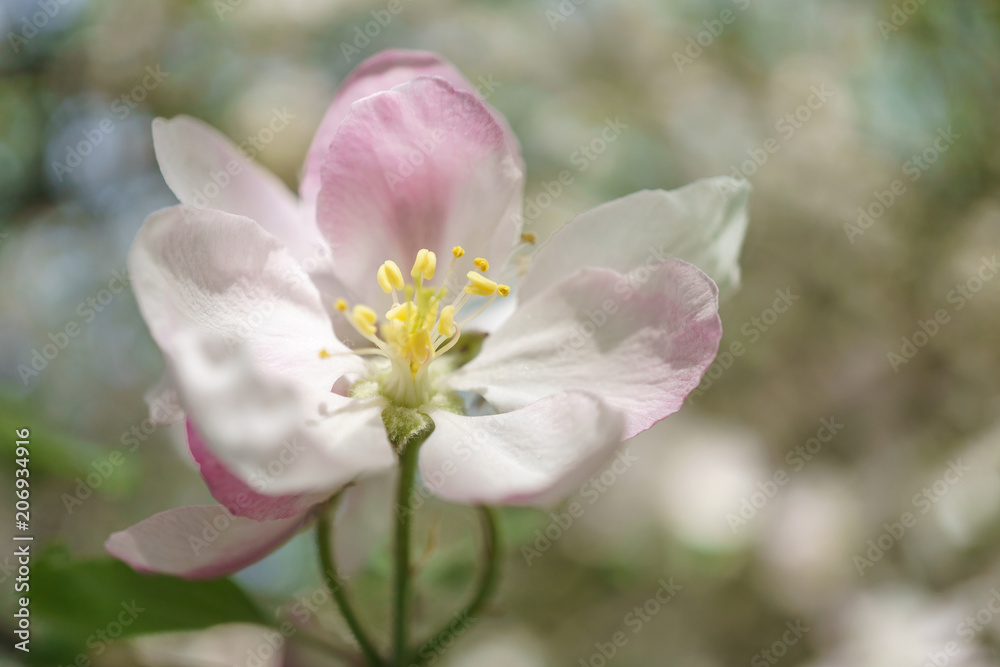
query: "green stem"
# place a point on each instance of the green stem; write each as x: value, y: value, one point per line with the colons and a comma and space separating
x: 324, y: 542
x: 402, y: 585
x: 488, y: 578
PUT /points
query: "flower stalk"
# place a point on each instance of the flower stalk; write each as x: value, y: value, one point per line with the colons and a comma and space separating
x: 407, y: 430
x: 324, y: 543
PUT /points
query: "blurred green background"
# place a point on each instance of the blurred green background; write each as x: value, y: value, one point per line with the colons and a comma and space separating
x: 870, y: 133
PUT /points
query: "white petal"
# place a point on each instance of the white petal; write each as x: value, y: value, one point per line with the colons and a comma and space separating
x: 241, y: 327
x: 525, y: 457
x: 204, y: 169
x: 702, y: 223
x: 641, y: 348
x: 199, y: 542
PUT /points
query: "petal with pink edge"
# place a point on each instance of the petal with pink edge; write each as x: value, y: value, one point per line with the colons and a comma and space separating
x: 641, y: 348
x: 702, y: 223
x: 529, y: 456
x: 199, y: 542
x: 242, y: 328
x: 242, y: 499
x: 381, y: 72
x: 205, y: 170
x: 419, y: 166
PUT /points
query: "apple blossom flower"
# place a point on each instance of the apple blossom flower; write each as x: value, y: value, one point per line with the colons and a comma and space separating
x: 293, y: 328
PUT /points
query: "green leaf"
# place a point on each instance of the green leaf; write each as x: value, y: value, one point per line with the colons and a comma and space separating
x: 63, y: 455
x: 80, y: 608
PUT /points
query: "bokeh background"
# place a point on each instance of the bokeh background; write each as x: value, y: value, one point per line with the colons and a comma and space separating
x: 759, y: 537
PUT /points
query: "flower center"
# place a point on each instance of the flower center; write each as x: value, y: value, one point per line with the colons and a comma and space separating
x: 420, y: 326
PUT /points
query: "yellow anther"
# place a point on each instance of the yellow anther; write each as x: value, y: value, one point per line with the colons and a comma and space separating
x: 421, y: 346
x: 425, y: 264
x: 446, y: 325
x: 480, y: 285
x: 341, y: 305
x: 323, y: 354
x: 503, y: 290
x: 457, y: 251
x: 390, y: 277
x: 364, y: 319
x: 528, y: 237
x: 400, y: 312
x: 481, y: 264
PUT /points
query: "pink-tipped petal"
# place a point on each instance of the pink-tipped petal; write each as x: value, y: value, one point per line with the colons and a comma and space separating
x: 702, y: 223
x: 240, y: 498
x: 242, y: 329
x: 200, y: 542
x: 640, y: 347
x: 419, y: 166
x: 529, y: 456
x: 206, y: 170
x: 383, y: 71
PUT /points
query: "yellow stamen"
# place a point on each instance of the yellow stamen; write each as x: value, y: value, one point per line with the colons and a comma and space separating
x: 390, y: 277
x: 425, y: 264
x: 364, y: 319
x: 446, y: 325
x: 341, y: 305
x: 457, y: 251
x: 480, y: 285
x: 528, y: 237
x: 503, y: 290
x: 323, y: 354
x: 400, y: 312
x: 481, y: 264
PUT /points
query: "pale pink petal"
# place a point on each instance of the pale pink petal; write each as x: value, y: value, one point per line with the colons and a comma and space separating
x: 216, y: 646
x: 206, y: 170
x: 383, y: 71
x: 365, y: 517
x: 528, y: 456
x: 419, y: 166
x: 242, y: 328
x: 240, y: 498
x: 200, y: 542
x: 702, y: 223
x: 641, y: 348
x: 163, y: 403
